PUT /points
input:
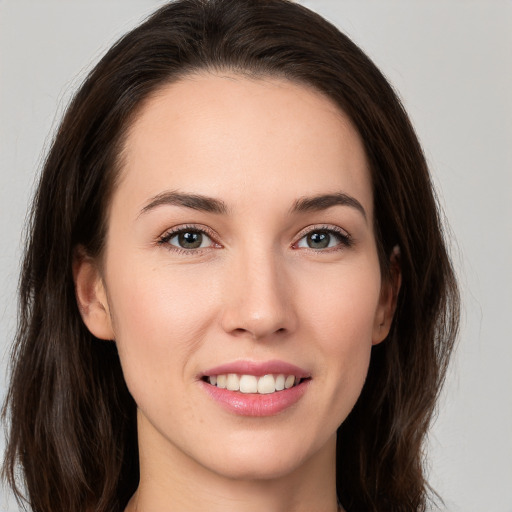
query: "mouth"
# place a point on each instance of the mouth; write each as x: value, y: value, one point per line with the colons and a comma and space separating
x: 254, y: 384
x: 249, y: 388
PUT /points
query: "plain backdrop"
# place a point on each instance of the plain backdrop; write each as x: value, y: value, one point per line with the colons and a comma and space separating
x: 451, y: 62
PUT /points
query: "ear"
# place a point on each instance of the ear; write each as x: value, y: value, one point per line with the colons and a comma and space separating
x: 91, y: 296
x: 388, y: 299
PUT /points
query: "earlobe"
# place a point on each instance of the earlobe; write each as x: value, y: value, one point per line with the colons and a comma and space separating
x: 388, y: 299
x: 91, y: 296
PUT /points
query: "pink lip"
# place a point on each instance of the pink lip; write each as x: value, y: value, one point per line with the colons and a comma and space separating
x: 258, y: 369
x: 253, y: 404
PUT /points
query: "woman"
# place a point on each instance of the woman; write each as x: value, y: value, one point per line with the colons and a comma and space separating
x: 236, y: 292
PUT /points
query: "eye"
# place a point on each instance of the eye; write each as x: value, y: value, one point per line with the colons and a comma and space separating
x: 187, y: 239
x: 324, y: 238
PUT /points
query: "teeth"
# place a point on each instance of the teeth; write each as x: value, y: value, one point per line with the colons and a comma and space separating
x: 233, y: 382
x: 266, y: 384
x: 289, y: 382
x: 248, y: 384
x: 221, y: 381
x: 252, y: 384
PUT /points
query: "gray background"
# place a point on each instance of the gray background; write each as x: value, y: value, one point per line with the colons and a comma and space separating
x: 451, y: 62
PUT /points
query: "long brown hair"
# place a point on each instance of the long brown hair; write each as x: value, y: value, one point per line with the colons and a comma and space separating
x: 72, y: 426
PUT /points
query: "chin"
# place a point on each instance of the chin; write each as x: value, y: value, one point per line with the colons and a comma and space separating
x: 244, y: 469
x: 265, y: 459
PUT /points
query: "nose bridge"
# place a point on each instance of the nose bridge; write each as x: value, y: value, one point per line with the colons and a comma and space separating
x: 258, y: 294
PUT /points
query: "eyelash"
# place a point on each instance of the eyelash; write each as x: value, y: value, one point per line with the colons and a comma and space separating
x: 344, y: 239
x: 169, y: 235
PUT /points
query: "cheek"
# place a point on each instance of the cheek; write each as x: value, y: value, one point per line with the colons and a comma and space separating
x: 342, y: 316
x: 343, y: 306
x: 159, y: 322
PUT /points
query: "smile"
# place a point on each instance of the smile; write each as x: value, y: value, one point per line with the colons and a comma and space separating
x: 249, y: 388
x: 264, y: 385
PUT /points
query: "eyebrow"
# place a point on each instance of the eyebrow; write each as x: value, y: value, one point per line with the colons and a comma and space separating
x: 212, y: 205
x: 325, y: 201
x: 193, y: 201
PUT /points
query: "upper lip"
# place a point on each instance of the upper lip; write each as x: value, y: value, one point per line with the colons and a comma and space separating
x: 258, y: 369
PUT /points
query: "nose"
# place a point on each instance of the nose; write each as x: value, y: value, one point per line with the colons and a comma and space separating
x: 258, y: 298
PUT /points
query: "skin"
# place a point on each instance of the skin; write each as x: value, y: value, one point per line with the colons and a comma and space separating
x: 255, y: 291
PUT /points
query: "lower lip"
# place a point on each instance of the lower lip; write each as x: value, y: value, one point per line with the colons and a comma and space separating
x: 253, y: 404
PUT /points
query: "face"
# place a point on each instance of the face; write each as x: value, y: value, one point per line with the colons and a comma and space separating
x: 240, y: 260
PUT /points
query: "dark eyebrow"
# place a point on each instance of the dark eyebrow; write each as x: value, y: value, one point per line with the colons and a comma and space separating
x: 324, y: 201
x: 193, y: 201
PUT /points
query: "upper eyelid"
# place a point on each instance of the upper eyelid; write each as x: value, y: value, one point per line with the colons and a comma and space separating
x: 188, y: 227
x: 322, y: 227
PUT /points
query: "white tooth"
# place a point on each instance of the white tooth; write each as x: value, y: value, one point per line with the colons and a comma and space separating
x: 289, y: 382
x: 248, y: 384
x: 221, y: 381
x: 280, y: 382
x: 213, y: 380
x: 266, y: 384
x: 233, y: 382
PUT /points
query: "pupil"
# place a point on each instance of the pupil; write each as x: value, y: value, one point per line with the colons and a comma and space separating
x: 190, y: 240
x: 319, y: 240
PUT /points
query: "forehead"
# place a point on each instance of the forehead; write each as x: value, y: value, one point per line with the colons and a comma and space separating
x: 239, y: 138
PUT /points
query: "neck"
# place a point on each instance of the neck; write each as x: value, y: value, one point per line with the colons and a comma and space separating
x: 170, y: 480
